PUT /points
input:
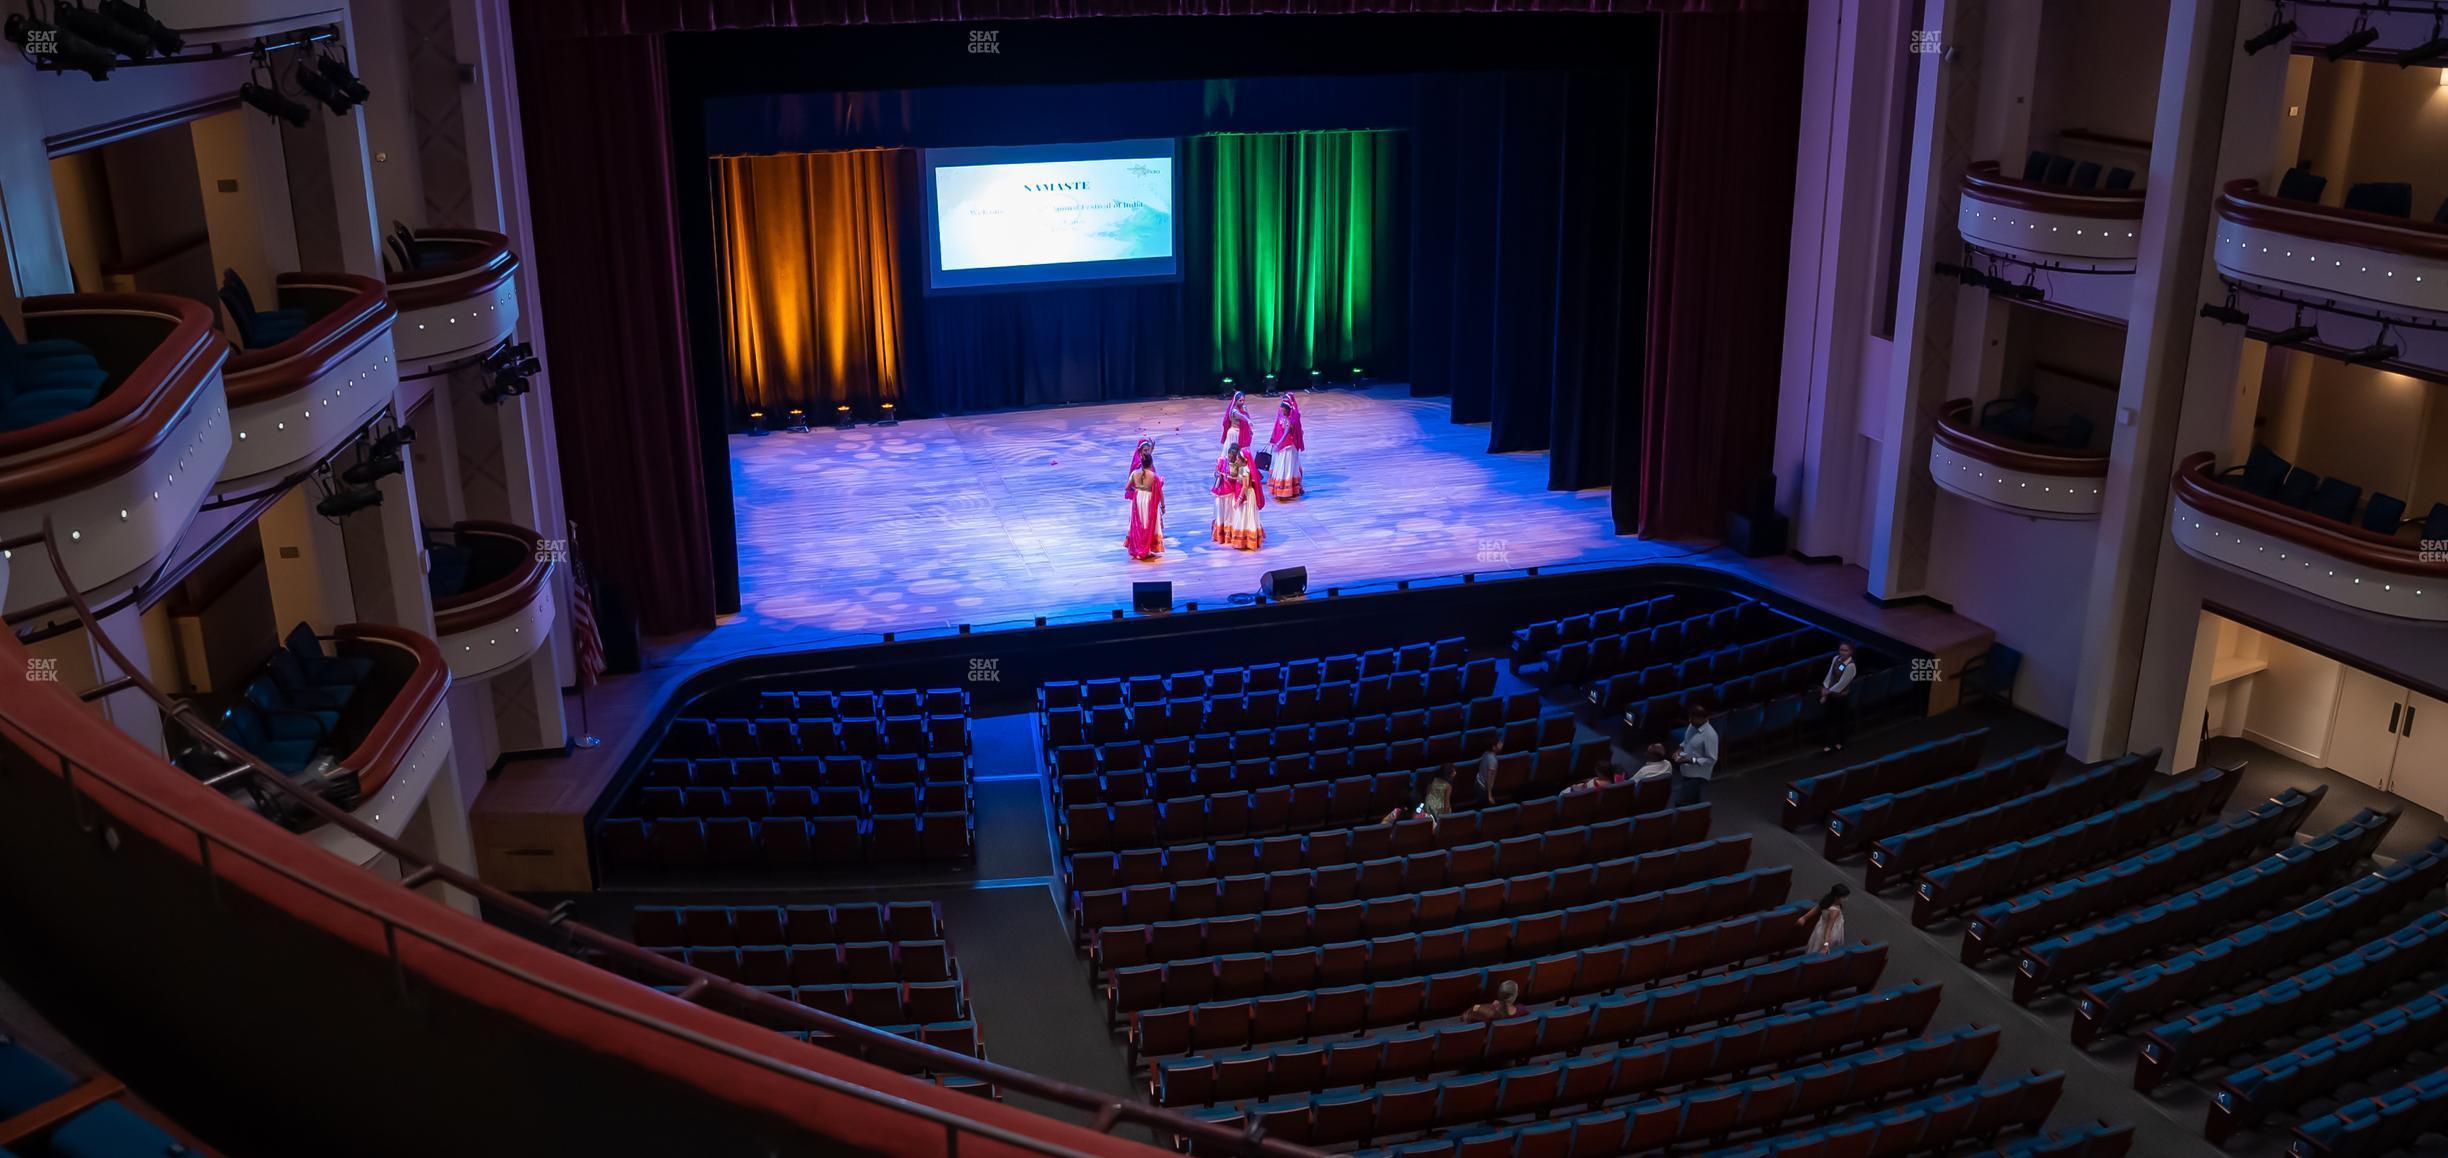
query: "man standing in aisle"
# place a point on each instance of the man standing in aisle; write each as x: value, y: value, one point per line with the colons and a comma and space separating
x: 1836, y: 697
x: 1696, y: 761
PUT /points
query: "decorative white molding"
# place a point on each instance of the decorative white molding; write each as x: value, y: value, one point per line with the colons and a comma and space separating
x: 2047, y: 496
x: 2316, y: 573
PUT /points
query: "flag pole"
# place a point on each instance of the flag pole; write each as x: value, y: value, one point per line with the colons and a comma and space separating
x: 586, y: 675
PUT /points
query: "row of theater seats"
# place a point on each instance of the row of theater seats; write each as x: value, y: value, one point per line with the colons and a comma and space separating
x: 1853, y: 827
x: 1353, y: 902
x: 1652, y: 874
x: 1940, y: 1122
x: 2386, y: 198
x: 2052, y: 169
x: 2015, y: 865
x: 2266, y: 475
x: 2115, y: 1002
x: 777, y: 736
x: 1744, y: 672
x: 657, y: 800
x: 1573, y: 849
x: 1393, y: 957
x: 786, y: 924
x: 1255, y: 679
x: 2316, y: 1067
x: 1809, y: 799
x: 1289, y: 753
x: 688, y: 843
x: 1257, y: 703
x: 2003, y: 925
x: 1898, y: 857
x: 2060, y: 960
x: 2393, y: 1118
x: 1531, y: 643
x: 1091, y: 871
x: 1744, y: 995
x: 47, y: 379
x: 1815, y: 1029
x: 1668, y: 636
x: 288, y: 713
x: 45, y: 1112
x: 1788, y: 715
x: 1349, y: 1009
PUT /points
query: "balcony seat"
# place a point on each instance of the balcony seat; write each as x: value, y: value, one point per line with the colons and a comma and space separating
x: 313, y: 372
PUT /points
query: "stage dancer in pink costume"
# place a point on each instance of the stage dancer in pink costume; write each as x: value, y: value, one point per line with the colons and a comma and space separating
x: 1286, y: 445
x: 1236, y: 431
x: 1240, y: 492
x: 1145, y: 493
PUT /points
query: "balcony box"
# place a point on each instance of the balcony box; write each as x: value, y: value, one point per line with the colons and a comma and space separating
x: 2343, y: 564
x: 462, y: 305
x: 2085, y: 241
x: 501, y: 609
x: 2346, y: 268
x: 122, y: 478
x: 2026, y: 478
x: 293, y: 403
x: 396, y: 733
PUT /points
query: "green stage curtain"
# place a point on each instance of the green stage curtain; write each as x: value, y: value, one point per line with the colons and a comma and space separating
x: 1307, y: 245
x: 809, y: 259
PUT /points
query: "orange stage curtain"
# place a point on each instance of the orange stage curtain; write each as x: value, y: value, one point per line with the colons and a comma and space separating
x: 811, y: 284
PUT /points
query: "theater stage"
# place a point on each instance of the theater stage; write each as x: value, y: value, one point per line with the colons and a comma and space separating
x: 998, y: 517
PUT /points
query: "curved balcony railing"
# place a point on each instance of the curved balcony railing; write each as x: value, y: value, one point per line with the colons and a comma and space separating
x: 292, y: 403
x: 466, y: 1006
x: 394, y: 734
x: 502, y: 611
x: 2353, y: 270
x: 460, y: 304
x: 2091, y: 236
x: 2027, y: 478
x: 2341, y: 563
x: 123, y: 477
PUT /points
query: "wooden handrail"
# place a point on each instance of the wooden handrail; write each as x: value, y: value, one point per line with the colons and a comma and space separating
x: 51, y: 1112
x: 482, y: 605
x: 1982, y: 179
x: 412, y: 705
x: 362, y: 313
x: 1958, y: 433
x: 2243, y: 202
x: 486, y: 262
x: 48, y: 461
x: 2199, y: 488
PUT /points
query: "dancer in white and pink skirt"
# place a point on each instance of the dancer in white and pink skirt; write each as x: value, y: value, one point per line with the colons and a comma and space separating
x: 1145, y: 493
x: 1240, y: 493
x: 1286, y: 445
x: 1236, y: 431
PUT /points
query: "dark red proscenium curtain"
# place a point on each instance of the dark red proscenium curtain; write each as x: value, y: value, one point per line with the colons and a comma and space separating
x: 1728, y: 123
x: 596, y: 122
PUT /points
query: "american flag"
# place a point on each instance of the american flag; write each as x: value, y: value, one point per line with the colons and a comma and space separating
x: 585, y: 640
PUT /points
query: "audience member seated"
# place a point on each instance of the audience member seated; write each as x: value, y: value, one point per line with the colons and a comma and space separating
x: 1506, y: 1003
x: 1433, y: 806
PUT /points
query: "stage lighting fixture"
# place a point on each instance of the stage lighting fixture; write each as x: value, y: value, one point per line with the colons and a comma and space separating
x: 1270, y: 385
x: 312, y: 84
x: 2280, y: 30
x: 61, y: 47
x: 342, y: 504
x: 892, y: 415
x: 2379, y: 351
x: 797, y: 421
x: 2296, y: 334
x: 372, y: 469
x: 1949, y: 269
x: 1359, y: 376
x: 756, y: 424
x: 272, y: 103
x: 336, y: 73
x: 1314, y: 381
x: 2355, y: 41
x: 842, y: 418
x: 165, y: 39
x: 2429, y: 50
x: 78, y: 20
x: 2227, y: 314
x: 397, y: 437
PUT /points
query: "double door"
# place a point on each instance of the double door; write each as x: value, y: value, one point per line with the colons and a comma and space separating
x: 2391, y: 737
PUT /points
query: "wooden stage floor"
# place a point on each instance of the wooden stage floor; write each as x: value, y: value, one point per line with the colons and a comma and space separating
x: 997, y: 518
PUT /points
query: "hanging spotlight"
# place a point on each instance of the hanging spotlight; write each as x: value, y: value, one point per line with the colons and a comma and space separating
x: 273, y: 103
x: 342, y: 504
x: 2279, y: 32
x: 312, y: 84
x: 397, y: 437
x: 45, y: 41
x: 2227, y: 314
x: 2429, y: 50
x: 139, y: 19
x: 99, y: 28
x: 2379, y: 351
x: 2296, y: 334
x: 2355, y: 41
x: 373, y: 469
x: 336, y: 72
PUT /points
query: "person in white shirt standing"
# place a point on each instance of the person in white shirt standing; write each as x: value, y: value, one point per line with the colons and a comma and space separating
x: 1696, y: 761
x: 1836, y: 698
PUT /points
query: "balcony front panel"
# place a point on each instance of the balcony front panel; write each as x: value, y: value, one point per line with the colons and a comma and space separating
x: 120, y: 479
x: 507, y: 613
x: 292, y: 404
x: 2085, y: 240
x: 402, y: 748
x: 2368, y: 266
x: 2011, y: 475
x: 2327, y: 560
x: 459, y: 308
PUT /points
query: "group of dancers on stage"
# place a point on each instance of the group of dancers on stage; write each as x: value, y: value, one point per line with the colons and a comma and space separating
x: 1243, y: 480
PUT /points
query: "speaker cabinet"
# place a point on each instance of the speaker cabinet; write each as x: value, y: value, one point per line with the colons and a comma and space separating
x: 1284, y: 583
x: 1157, y: 596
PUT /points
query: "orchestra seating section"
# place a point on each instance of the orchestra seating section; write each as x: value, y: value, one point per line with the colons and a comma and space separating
x: 45, y: 1112
x: 47, y: 379
x: 885, y: 965
x: 780, y: 778
x: 1756, y: 667
x: 2266, y: 475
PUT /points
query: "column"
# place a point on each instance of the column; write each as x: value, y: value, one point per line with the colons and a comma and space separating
x: 30, y: 237
x: 439, y: 832
x: 306, y: 564
x: 386, y: 557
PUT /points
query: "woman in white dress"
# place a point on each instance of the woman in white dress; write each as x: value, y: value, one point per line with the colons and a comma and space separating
x: 1286, y: 444
x: 1236, y: 430
x: 1145, y: 493
x: 1240, y: 493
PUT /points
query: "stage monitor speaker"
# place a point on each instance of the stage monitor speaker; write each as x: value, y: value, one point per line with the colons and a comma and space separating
x: 1157, y: 596
x: 1284, y: 583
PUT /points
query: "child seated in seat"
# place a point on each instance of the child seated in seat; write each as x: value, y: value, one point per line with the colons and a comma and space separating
x: 1431, y: 808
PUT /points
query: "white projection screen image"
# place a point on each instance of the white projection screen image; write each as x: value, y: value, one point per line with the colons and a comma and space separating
x: 1005, y: 218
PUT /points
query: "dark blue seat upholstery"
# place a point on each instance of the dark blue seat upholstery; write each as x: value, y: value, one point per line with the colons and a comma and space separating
x: 2387, y: 198
x: 2335, y: 499
x: 2301, y: 184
